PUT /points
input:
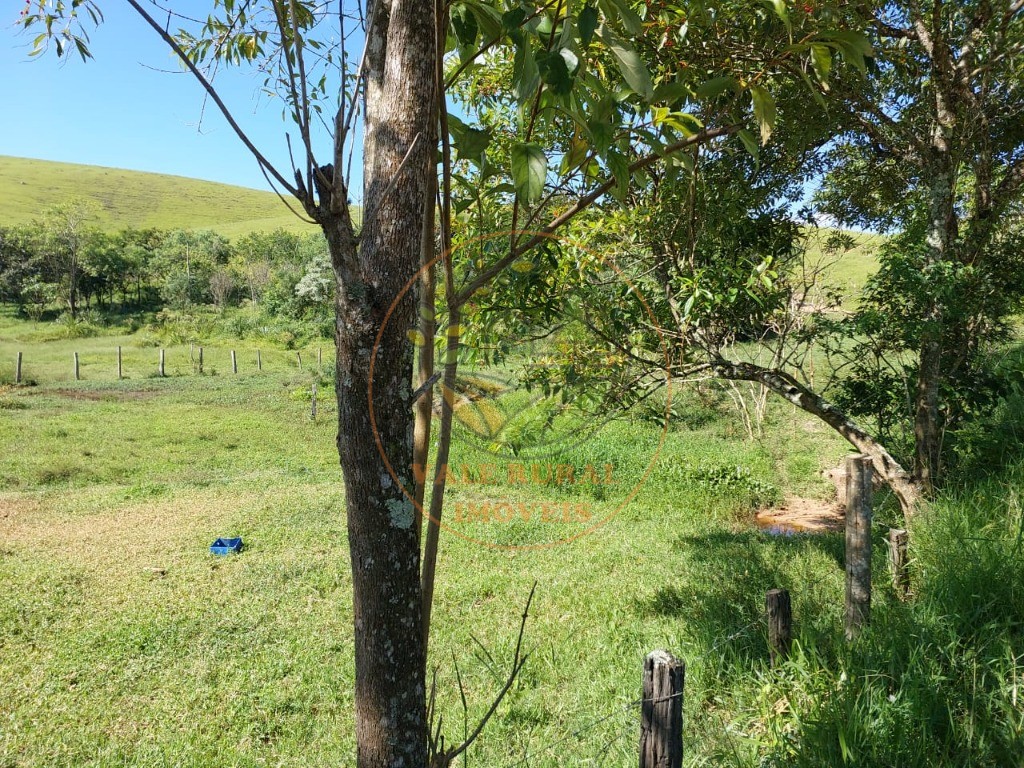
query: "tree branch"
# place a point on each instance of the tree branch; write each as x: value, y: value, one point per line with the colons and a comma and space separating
x: 208, y: 87
x: 518, y: 660
x: 581, y: 205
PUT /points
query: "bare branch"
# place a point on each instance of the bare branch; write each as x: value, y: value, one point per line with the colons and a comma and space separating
x: 264, y: 163
x: 518, y: 660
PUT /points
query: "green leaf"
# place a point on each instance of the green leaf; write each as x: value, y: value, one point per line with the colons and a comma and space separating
x: 764, y: 111
x: 620, y: 8
x: 670, y: 91
x: 683, y: 122
x: 779, y: 6
x: 854, y: 46
x: 525, y: 74
x: 749, y: 143
x: 574, y: 156
x: 601, y: 134
x: 464, y: 23
x: 488, y: 19
x: 572, y: 61
x: 557, y: 69
x: 821, y: 61
x: 469, y: 142
x: 813, y: 89
x: 619, y: 166
x: 512, y: 19
x: 587, y: 24
x: 716, y: 86
x: 529, y: 169
x: 632, y: 68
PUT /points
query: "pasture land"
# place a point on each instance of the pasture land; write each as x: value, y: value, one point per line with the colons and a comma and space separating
x: 138, y: 199
x: 123, y: 642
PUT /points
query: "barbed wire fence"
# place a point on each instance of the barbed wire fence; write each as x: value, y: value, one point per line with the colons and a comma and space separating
x: 614, y: 725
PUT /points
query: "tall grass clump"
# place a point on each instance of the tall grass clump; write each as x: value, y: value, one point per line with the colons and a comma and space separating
x: 936, y: 681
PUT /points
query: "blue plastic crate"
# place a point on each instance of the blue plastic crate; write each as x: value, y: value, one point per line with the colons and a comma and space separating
x: 226, y: 546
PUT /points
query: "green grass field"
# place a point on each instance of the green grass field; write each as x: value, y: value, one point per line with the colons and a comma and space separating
x: 133, y: 198
x: 123, y: 642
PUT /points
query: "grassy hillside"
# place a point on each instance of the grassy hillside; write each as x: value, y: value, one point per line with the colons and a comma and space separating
x: 850, y: 270
x: 133, y: 198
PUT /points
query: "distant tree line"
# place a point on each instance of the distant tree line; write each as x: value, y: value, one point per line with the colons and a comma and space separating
x: 61, y: 264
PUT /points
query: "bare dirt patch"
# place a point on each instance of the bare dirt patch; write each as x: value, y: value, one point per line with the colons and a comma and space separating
x: 801, y: 515
x: 12, y: 506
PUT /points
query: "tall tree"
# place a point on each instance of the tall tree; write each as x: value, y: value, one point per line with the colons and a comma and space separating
x: 64, y: 233
x: 936, y: 150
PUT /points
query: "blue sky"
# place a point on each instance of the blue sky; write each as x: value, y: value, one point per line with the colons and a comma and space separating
x: 117, y: 110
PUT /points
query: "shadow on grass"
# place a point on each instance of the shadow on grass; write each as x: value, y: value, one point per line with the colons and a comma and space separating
x: 721, y: 600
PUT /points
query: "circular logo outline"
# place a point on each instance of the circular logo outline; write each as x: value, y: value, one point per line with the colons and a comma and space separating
x: 410, y: 497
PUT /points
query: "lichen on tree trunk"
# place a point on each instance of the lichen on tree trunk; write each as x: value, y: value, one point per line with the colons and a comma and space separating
x: 374, y: 361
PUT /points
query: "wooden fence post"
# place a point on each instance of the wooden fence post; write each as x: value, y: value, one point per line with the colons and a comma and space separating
x: 858, y: 543
x: 259, y: 361
x: 298, y: 357
x: 661, y: 711
x: 119, y: 363
x: 899, y: 562
x: 780, y: 623
x: 162, y: 374
x: 312, y: 412
x: 200, y: 359
x: 234, y: 362
x: 77, y: 374
x: 17, y: 370
x: 320, y: 358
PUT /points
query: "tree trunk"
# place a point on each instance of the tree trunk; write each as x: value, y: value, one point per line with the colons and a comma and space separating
x: 391, y: 728
x: 927, y: 417
x: 73, y: 289
x: 903, y: 486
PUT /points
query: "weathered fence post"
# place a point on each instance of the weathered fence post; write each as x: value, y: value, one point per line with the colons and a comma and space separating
x: 200, y: 359
x: 119, y: 363
x: 312, y: 411
x: 858, y: 543
x: 234, y: 362
x: 780, y: 623
x: 17, y: 370
x: 161, y: 370
x: 320, y: 358
x: 661, y: 711
x: 259, y: 361
x: 298, y: 357
x: 77, y: 375
x: 899, y: 562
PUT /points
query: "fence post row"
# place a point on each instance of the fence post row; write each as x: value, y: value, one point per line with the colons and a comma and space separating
x: 858, y: 543
x: 661, y: 711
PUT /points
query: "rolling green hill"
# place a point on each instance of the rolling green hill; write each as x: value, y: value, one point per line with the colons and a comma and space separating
x: 134, y: 198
